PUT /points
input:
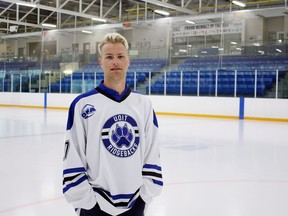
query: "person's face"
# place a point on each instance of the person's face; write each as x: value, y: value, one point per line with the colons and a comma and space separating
x: 114, y: 61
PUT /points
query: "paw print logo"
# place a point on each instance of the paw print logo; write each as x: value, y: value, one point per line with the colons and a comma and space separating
x: 122, y: 136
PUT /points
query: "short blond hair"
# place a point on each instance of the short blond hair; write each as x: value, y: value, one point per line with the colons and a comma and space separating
x: 113, y: 38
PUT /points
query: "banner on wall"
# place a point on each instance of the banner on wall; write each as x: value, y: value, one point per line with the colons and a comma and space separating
x: 207, y: 29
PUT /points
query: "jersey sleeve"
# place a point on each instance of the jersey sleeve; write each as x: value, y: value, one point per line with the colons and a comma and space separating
x: 76, y: 187
x: 152, y: 172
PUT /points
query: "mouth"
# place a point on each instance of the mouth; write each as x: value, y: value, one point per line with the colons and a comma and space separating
x: 115, y: 69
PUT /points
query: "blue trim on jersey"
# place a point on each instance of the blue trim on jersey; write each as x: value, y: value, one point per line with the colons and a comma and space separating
x: 72, y: 107
x: 112, y: 92
x: 155, y: 119
x: 132, y: 203
x: 74, y: 170
x: 136, y: 92
x: 114, y: 197
x: 157, y: 182
x: 73, y: 184
x: 152, y: 166
x: 125, y: 199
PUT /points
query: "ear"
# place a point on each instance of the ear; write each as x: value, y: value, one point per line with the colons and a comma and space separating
x: 100, y: 62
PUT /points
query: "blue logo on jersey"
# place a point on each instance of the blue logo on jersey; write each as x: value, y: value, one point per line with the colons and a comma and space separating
x: 120, y: 135
x: 87, y: 111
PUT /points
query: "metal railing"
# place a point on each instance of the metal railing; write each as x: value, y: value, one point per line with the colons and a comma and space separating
x: 214, y: 83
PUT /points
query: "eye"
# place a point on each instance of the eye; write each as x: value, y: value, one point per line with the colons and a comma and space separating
x: 121, y: 57
x: 109, y: 57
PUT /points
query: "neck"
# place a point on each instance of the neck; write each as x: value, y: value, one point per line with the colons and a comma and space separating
x: 117, y: 86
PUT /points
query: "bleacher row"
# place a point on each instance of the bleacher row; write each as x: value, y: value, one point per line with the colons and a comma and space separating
x: 235, y: 63
x: 239, y: 70
x: 244, y: 66
x: 77, y: 81
x: 140, y: 65
x: 91, y: 74
x: 29, y: 65
x: 225, y: 80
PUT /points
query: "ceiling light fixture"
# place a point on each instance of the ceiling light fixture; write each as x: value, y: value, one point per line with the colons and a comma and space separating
x: 239, y: 3
x: 49, y: 25
x: 170, y: 6
x: 87, y: 32
x: 256, y: 44
x: 165, y: 13
x: 68, y: 72
x: 99, y: 19
x: 190, y: 22
x: 26, y: 4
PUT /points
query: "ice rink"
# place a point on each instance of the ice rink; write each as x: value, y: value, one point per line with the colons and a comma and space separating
x: 211, y: 167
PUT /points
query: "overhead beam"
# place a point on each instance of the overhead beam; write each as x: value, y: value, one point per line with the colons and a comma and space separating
x: 187, y: 3
x: 23, y: 23
x: 170, y: 6
x: 54, y: 11
x: 6, y: 9
x: 31, y: 10
x: 22, y: 35
x: 72, y: 30
x: 90, y: 5
x: 111, y: 8
x: 59, y: 10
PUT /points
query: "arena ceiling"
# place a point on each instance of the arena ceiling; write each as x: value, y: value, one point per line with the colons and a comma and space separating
x: 26, y: 17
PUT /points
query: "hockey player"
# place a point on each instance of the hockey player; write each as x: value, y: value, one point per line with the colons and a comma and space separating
x: 111, y: 161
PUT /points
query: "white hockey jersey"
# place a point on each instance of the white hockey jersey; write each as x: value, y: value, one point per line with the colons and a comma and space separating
x: 111, y: 151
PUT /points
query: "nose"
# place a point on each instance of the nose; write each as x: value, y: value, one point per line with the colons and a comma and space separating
x: 115, y: 62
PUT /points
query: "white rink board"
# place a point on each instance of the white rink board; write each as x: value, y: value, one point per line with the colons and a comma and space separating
x: 214, y: 106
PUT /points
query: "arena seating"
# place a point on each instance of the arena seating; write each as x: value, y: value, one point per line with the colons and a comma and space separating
x: 11, y: 72
x: 91, y: 74
x: 226, y: 70
x: 239, y: 69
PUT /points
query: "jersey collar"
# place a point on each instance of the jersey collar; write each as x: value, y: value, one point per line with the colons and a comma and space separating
x: 112, y: 94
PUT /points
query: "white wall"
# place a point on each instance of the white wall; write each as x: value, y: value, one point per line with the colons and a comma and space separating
x: 22, y: 99
x: 266, y: 108
x: 222, y: 107
x: 254, y: 29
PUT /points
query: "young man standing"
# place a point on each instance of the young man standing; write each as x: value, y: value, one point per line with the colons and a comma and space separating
x: 111, y: 161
